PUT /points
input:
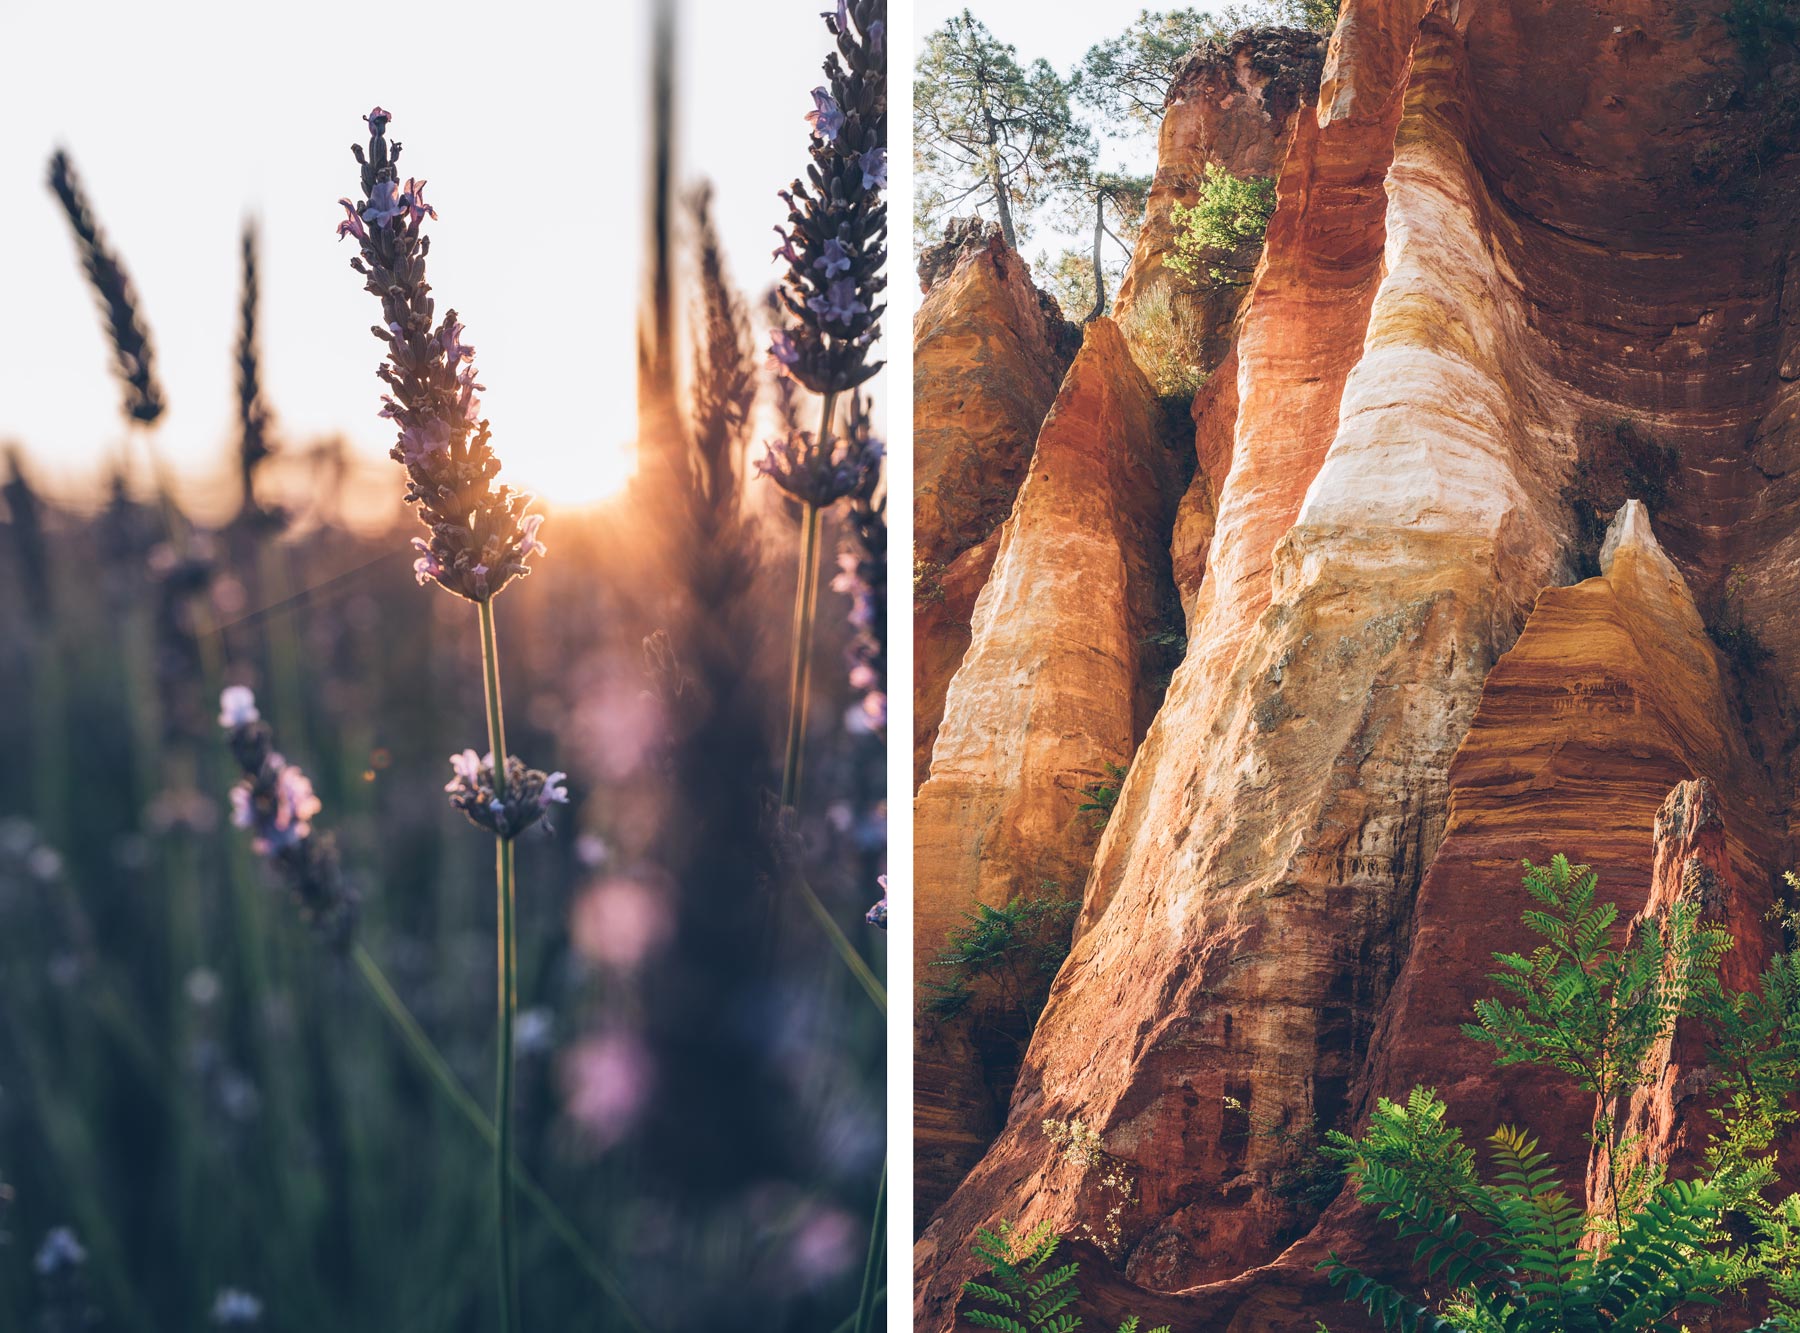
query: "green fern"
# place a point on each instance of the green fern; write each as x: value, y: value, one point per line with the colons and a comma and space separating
x: 1024, y: 1294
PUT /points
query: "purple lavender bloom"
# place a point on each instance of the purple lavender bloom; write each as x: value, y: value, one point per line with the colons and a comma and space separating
x: 797, y: 465
x: 479, y: 540
x: 237, y: 707
x: 826, y: 117
x: 529, y: 793
x: 877, y: 915
x: 60, y: 1250
x: 384, y: 204
x: 783, y: 348
x: 874, y: 168
x: 412, y: 198
x: 839, y: 302
x: 836, y: 228
x: 275, y: 803
x: 352, y: 225
x: 233, y: 1308
x: 835, y: 260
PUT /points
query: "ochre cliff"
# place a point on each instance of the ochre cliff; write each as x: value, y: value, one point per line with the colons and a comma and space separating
x: 989, y: 351
x: 1232, y: 106
x: 1053, y: 688
x: 1506, y: 234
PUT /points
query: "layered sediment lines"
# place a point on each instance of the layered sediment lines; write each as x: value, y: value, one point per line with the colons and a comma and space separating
x: 1489, y: 236
x: 1050, y: 692
x: 989, y: 352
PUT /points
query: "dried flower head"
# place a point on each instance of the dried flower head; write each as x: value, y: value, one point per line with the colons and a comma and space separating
x: 835, y: 240
x: 118, y: 299
x: 529, y: 793
x: 480, y: 537
x: 276, y: 804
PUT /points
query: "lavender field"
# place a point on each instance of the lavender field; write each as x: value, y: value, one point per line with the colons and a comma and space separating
x: 314, y: 1017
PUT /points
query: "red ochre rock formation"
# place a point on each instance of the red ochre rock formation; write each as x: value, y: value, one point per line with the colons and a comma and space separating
x: 989, y: 351
x: 1502, y: 224
x: 1051, y: 689
x: 1233, y: 105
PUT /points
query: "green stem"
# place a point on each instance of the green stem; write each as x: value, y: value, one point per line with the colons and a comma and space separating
x: 865, y: 1305
x: 434, y: 1064
x: 507, y: 985
x: 806, y: 607
x: 853, y: 960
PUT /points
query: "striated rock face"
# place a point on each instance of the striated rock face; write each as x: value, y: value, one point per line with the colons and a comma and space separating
x: 1233, y: 105
x: 989, y: 351
x: 1052, y: 689
x: 1496, y: 233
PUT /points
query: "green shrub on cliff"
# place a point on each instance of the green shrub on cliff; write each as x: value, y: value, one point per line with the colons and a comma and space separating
x: 1231, y: 214
x: 1514, y: 1251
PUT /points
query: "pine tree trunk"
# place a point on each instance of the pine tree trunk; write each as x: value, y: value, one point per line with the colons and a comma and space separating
x: 1099, y: 272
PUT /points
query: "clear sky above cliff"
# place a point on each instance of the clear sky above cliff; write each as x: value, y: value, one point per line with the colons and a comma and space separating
x: 527, y: 123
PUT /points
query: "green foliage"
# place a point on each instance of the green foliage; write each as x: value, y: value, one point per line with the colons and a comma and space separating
x: 1516, y: 1252
x: 1103, y: 795
x: 1319, y: 15
x: 987, y: 130
x: 1023, y: 1293
x: 928, y: 581
x: 1588, y: 1010
x: 1509, y: 1251
x: 1232, y: 214
x: 1000, y: 961
x: 1070, y: 279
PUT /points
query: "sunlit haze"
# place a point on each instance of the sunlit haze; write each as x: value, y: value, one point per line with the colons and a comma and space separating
x: 530, y: 127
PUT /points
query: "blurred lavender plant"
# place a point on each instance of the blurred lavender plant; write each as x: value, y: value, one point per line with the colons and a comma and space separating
x: 64, y: 1302
x: 481, y: 539
x: 133, y: 360
x: 253, y: 413
x: 862, y: 577
x: 25, y: 523
x: 835, y: 245
x: 274, y: 802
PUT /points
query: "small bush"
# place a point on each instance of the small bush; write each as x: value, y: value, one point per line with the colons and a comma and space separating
x: 1162, y: 348
x: 1102, y: 796
x: 1231, y: 216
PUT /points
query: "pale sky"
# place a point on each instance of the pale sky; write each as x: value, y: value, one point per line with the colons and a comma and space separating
x: 528, y: 122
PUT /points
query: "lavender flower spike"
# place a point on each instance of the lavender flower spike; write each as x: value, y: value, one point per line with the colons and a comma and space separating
x: 480, y: 537
x: 835, y: 242
x: 276, y: 804
x: 877, y: 915
x: 529, y: 793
